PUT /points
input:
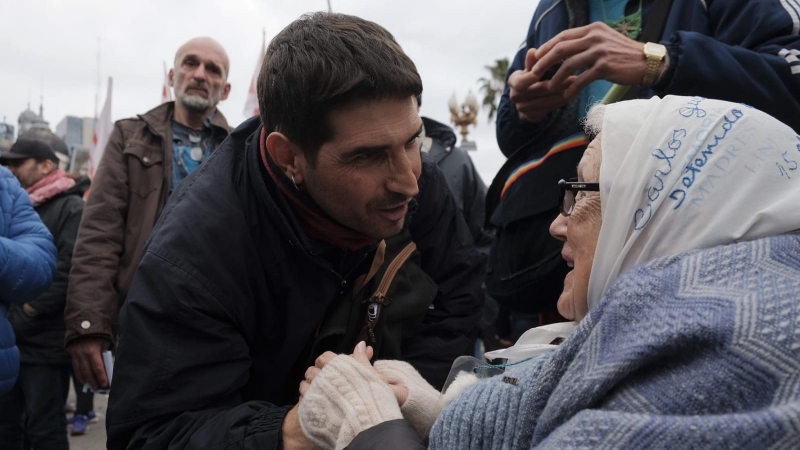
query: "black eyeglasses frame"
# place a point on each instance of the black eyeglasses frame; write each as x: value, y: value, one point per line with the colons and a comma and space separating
x: 573, y: 187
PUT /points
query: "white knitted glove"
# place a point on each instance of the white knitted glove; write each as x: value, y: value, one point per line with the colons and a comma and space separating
x: 345, y: 398
x: 421, y: 408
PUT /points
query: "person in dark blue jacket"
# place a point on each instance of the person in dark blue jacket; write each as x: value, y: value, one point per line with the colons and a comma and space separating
x: 735, y: 50
x: 27, y: 265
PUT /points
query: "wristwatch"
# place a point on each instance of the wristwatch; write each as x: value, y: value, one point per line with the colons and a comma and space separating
x: 654, y: 53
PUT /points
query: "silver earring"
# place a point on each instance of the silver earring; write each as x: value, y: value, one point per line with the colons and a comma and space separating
x: 295, y: 183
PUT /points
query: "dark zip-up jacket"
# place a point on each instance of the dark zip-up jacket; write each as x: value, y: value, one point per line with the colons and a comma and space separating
x: 465, y: 183
x: 737, y: 50
x: 215, y: 332
x: 40, y: 338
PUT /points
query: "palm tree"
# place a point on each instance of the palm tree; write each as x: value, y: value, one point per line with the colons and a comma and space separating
x: 493, y: 86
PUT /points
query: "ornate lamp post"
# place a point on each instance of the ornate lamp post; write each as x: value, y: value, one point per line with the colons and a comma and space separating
x: 463, y: 116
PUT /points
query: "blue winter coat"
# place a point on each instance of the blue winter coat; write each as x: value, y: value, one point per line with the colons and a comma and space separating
x: 27, y: 264
x: 737, y: 50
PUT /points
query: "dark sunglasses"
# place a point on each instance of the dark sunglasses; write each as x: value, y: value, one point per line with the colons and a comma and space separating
x: 567, y: 191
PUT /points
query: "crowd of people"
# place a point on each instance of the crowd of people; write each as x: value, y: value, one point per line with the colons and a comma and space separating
x: 316, y: 277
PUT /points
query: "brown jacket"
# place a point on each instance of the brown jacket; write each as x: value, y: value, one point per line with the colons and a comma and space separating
x: 128, y: 192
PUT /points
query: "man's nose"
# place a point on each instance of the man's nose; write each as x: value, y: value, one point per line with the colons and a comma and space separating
x: 199, y: 73
x: 403, y: 179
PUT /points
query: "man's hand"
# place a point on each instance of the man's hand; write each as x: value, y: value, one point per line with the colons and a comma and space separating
x: 596, y: 49
x: 363, y: 354
x: 87, y: 360
x: 293, y: 436
x: 533, y: 97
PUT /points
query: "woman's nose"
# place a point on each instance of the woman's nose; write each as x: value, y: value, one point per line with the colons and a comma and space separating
x: 558, y: 229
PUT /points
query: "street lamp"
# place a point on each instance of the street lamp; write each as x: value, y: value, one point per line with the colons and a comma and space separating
x: 463, y: 116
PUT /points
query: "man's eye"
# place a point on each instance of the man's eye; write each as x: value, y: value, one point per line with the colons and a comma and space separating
x: 363, y: 157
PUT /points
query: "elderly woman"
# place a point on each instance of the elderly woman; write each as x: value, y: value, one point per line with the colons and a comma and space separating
x: 686, y: 283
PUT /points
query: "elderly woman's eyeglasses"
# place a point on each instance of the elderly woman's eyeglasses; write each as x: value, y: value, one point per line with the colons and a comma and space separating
x: 567, y: 191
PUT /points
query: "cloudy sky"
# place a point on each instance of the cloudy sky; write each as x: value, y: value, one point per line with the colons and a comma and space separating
x: 50, y: 46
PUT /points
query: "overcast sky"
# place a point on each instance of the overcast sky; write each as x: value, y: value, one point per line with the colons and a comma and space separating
x: 51, y: 46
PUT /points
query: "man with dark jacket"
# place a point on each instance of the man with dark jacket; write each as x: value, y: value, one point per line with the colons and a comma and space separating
x: 257, y: 250
x: 144, y: 161
x: 34, y: 409
x: 737, y: 50
x: 469, y: 191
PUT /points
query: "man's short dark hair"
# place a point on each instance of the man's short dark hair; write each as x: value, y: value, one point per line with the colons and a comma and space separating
x: 322, y: 61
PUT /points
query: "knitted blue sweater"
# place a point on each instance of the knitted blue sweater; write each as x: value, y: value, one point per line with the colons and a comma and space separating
x: 699, y: 350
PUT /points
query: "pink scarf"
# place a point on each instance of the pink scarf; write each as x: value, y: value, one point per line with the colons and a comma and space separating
x: 50, y: 186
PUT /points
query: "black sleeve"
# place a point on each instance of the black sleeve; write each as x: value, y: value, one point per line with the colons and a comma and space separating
x: 65, y: 233
x: 392, y: 435
x: 450, y: 258
x: 759, y: 67
x: 182, y: 361
x: 513, y: 133
x: 475, y: 206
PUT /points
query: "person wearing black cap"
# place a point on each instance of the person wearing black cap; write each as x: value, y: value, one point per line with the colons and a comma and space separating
x: 40, y: 391
x: 30, y: 160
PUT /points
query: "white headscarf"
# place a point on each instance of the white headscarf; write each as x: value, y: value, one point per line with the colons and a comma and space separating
x: 684, y: 173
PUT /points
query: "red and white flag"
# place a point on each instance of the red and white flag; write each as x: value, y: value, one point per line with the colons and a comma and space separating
x: 166, y: 91
x: 251, y: 105
x: 102, y: 130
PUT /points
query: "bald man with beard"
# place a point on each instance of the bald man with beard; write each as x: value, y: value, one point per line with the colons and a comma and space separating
x: 146, y: 158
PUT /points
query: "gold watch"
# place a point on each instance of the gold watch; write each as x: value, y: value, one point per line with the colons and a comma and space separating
x: 654, y: 53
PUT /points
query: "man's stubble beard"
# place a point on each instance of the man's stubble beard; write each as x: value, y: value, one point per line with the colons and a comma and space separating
x: 198, y: 104
x: 360, y: 223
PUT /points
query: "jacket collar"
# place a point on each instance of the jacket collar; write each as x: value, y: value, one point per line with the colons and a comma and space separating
x: 158, y: 119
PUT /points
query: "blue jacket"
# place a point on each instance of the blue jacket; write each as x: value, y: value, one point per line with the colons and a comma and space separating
x: 737, y: 50
x: 27, y: 264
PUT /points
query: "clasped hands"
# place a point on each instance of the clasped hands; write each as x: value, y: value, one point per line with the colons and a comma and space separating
x: 363, y: 355
x: 588, y: 53
x: 343, y: 395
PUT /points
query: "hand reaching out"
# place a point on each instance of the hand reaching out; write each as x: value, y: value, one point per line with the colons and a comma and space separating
x: 586, y: 54
x: 598, y: 52
x: 534, y: 96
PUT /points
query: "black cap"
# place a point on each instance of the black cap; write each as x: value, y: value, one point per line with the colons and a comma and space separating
x: 28, y: 148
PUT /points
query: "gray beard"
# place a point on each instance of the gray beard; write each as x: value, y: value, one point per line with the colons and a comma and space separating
x: 195, y: 103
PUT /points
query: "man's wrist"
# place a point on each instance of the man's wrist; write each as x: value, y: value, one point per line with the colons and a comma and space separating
x: 654, y: 55
x: 292, y: 436
x: 662, y: 69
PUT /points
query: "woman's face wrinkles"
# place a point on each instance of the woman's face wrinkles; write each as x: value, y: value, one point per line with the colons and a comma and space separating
x: 579, y: 232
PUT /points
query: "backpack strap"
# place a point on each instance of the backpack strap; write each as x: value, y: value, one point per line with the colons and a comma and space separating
x: 377, y: 262
x: 379, y: 299
x: 656, y: 21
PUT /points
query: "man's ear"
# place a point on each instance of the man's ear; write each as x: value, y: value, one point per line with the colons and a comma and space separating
x: 225, y: 91
x: 287, y: 155
x: 171, y: 77
x: 47, y: 167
